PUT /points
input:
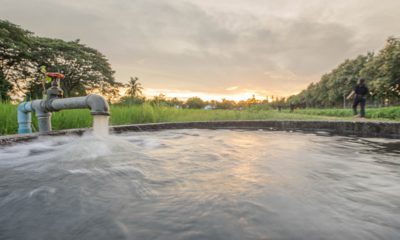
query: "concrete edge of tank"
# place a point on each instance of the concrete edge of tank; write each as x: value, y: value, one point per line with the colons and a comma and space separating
x: 353, y: 128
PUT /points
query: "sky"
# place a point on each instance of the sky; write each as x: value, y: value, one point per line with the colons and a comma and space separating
x: 216, y: 48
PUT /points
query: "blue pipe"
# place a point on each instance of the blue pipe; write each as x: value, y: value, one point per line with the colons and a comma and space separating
x: 24, y: 117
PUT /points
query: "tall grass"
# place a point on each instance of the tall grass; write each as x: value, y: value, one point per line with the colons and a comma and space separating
x: 375, y: 113
x: 8, y: 118
x: 146, y: 113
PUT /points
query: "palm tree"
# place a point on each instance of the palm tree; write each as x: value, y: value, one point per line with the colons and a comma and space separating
x: 134, y: 87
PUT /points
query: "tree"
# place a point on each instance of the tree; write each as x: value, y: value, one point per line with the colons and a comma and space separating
x: 175, y: 102
x: 127, y: 100
x: 383, y: 71
x: 85, y: 68
x: 5, y: 88
x: 226, y: 104
x: 252, y: 101
x: 329, y: 91
x: 195, y: 102
x: 134, y: 88
x: 15, y: 45
x: 160, y: 100
x: 22, y: 56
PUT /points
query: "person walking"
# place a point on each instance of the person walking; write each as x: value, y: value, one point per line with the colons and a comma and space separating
x: 360, y: 94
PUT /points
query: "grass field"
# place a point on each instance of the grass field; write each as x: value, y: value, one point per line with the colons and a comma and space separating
x: 392, y: 113
x: 149, y: 114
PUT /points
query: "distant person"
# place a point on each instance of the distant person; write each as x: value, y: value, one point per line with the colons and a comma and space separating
x: 360, y: 94
x: 291, y: 106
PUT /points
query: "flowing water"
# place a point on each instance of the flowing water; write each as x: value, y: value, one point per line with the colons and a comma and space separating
x: 100, y: 125
x: 201, y: 184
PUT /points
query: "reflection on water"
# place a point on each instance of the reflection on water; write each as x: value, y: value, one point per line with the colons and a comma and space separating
x: 201, y: 184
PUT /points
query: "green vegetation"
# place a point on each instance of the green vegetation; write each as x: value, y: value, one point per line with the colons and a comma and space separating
x: 381, y: 71
x: 23, y: 56
x: 391, y: 113
x: 8, y: 119
x: 147, y: 113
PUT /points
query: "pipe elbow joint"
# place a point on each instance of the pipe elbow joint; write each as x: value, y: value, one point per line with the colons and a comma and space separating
x: 98, y: 105
x: 24, y: 117
x: 25, y: 107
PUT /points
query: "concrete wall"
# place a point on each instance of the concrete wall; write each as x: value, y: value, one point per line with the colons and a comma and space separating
x: 356, y: 128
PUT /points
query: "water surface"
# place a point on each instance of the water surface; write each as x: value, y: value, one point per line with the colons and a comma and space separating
x: 201, y: 184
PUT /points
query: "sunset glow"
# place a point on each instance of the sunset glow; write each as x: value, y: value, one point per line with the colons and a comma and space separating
x: 184, y: 95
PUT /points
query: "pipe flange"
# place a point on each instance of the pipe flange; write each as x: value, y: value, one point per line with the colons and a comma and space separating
x: 48, y: 105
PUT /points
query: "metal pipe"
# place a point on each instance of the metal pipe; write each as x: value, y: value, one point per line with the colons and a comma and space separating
x: 24, y: 117
x: 43, y: 115
x: 43, y: 108
x: 96, y: 103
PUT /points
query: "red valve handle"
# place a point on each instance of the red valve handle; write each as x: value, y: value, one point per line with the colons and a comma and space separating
x: 55, y: 75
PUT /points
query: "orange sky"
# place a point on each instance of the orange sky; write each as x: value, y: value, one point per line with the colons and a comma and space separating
x: 184, y: 95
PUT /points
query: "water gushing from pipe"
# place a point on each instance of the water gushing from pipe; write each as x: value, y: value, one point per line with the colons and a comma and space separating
x: 100, y: 125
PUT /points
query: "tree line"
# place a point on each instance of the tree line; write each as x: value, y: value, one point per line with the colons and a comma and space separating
x: 134, y: 96
x: 381, y: 71
x: 198, y: 103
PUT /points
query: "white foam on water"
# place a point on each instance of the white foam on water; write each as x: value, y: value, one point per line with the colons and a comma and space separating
x: 100, y: 125
x: 80, y: 171
x: 42, y: 189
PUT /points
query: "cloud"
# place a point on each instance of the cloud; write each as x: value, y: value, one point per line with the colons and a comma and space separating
x: 232, y: 88
x: 207, y: 45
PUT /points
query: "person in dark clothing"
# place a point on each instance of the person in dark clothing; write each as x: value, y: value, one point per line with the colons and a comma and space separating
x: 360, y: 94
x: 291, y: 106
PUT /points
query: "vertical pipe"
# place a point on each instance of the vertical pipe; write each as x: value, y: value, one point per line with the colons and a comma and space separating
x: 43, y: 115
x: 44, y: 121
x: 24, y: 117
